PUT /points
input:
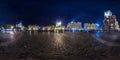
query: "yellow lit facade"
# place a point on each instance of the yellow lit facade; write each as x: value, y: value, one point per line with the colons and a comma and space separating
x: 48, y: 28
x: 116, y: 24
x: 75, y: 25
x: 89, y: 26
x: 33, y: 27
x: 59, y: 28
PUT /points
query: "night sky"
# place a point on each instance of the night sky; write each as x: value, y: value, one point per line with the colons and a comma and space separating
x: 47, y: 12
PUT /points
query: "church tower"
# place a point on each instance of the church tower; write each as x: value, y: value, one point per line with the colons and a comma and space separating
x: 109, y: 23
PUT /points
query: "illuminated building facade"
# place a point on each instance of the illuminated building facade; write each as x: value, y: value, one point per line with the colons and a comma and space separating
x: 48, y: 28
x: 91, y: 26
x: 20, y: 26
x: 74, y: 25
x: 78, y: 25
x: 33, y: 27
x: 8, y: 27
x: 110, y: 23
x: 59, y: 27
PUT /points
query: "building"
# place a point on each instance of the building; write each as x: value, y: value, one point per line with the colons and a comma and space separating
x: 91, y: 26
x: 74, y: 26
x: 33, y: 27
x: 110, y: 23
x: 19, y: 26
x: 59, y: 29
x: 71, y: 25
x: 117, y: 25
x: 7, y: 27
x: 48, y: 28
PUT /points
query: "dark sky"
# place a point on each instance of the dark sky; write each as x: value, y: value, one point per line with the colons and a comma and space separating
x: 45, y: 12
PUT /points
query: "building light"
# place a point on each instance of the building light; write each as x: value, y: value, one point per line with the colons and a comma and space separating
x: 12, y: 27
x: 108, y: 13
x: 97, y: 25
x: 59, y: 23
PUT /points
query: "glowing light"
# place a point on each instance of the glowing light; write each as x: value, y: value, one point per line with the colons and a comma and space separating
x: 108, y: 13
x: 87, y: 30
x: 59, y: 23
x: 72, y: 21
x: 43, y: 28
x: 73, y: 29
x: 11, y: 32
x: 12, y: 27
x: 97, y: 25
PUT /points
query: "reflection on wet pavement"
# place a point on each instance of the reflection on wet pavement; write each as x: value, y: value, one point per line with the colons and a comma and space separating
x: 8, y: 37
x: 49, y: 45
x: 109, y: 39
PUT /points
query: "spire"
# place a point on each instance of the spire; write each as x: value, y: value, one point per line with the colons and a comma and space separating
x: 107, y: 13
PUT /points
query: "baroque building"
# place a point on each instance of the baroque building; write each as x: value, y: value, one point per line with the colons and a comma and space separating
x: 74, y: 25
x: 110, y: 22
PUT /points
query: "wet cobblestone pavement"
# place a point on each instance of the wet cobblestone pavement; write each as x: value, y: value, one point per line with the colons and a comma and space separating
x: 57, y: 46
